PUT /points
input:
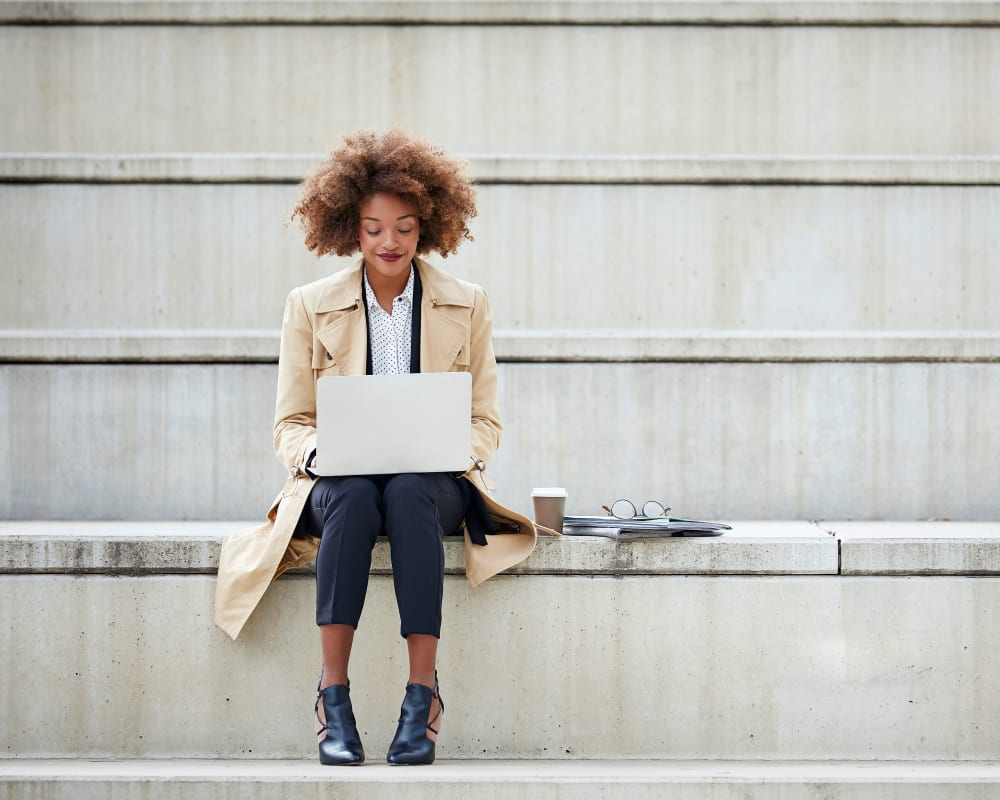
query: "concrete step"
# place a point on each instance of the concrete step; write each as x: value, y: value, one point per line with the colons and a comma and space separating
x: 884, y: 169
x: 755, y: 645
x: 214, y: 346
x: 729, y: 257
x: 609, y: 88
x: 617, y: 346
x: 588, y: 780
x: 754, y: 547
x: 752, y: 439
x: 769, y: 547
x: 474, y: 12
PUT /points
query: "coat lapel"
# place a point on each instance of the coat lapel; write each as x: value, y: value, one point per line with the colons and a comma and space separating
x: 340, y: 324
x: 339, y: 336
x: 444, y: 325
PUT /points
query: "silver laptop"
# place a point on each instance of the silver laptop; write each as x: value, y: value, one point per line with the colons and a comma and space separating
x: 383, y: 424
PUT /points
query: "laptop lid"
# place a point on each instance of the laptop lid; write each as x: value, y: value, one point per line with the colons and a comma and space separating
x: 386, y: 424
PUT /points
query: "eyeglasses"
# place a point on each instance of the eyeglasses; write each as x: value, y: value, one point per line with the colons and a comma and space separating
x: 625, y: 509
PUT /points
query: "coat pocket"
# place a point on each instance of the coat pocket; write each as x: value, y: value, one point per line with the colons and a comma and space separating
x: 462, y: 360
x: 325, y: 362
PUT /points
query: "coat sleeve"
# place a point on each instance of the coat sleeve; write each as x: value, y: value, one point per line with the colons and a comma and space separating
x: 295, y: 406
x: 486, y: 425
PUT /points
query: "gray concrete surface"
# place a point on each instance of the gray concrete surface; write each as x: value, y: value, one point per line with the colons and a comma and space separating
x: 569, y: 89
x: 786, y: 12
x: 586, y: 258
x: 567, y: 667
x: 764, y: 548
x: 913, y: 548
x: 751, y: 666
x: 750, y: 441
x: 752, y: 547
x: 504, y: 168
x: 600, y: 780
x: 261, y: 346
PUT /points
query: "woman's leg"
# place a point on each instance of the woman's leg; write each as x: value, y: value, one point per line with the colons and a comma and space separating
x: 419, y: 511
x: 422, y: 649
x: 347, y: 514
x: 336, y: 642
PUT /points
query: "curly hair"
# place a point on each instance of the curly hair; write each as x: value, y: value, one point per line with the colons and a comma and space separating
x: 329, y: 207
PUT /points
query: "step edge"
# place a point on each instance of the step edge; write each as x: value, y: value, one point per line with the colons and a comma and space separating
x: 506, y: 168
x: 555, y: 346
x: 466, y: 12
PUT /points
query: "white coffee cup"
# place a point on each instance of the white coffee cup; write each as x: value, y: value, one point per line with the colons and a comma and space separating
x: 550, y: 506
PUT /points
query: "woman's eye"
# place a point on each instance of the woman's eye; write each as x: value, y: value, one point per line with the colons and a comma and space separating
x: 408, y: 230
x: 373, y: 233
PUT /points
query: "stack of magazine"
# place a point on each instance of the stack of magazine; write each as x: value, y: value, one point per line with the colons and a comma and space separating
x: 641, y: 527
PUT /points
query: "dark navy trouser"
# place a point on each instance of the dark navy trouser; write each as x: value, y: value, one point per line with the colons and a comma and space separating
x: 414, y: 510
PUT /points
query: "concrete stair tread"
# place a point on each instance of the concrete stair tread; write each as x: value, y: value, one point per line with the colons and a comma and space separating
x: 261, y: 346
x: 475, y: 12
x: 912, y: 531
x: 500, y: 168
x: 915, y: 548
x: 559, y: 780
x: 526, y: 771
x: 752, y: 547
x: 782, y: 530
x: 115, y: 547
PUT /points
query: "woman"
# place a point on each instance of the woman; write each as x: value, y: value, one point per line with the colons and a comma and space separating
x: 393, y: 198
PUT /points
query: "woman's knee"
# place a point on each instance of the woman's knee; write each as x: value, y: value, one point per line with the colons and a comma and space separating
x: 408, y: 487
x: 351, y: 490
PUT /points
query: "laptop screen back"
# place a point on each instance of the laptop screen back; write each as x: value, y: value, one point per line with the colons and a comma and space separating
x: 387, y: 424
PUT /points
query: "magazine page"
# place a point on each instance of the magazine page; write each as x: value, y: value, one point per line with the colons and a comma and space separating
x: 640, y: 527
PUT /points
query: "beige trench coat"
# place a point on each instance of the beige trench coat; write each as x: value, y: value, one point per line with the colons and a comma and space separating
x: 324, y: 333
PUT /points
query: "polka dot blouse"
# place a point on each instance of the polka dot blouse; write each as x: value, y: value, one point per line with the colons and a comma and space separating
x: 390, y: 335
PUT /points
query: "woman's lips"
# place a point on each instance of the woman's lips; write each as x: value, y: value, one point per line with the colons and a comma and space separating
x: 390, y: 257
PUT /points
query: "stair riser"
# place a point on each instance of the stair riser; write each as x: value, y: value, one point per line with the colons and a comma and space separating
x: 552, y: 89
x: 822, y: 667
x: 737, y: 441
x: 636, y: 258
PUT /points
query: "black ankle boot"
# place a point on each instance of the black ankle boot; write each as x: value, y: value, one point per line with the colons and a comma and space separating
x: 411, y: 745
x: 342, y: 744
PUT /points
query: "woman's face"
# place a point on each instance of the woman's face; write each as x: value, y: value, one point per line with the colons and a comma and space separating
x: 389, y: 232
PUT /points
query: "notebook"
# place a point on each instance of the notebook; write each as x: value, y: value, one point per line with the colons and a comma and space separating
x: 386, y: 424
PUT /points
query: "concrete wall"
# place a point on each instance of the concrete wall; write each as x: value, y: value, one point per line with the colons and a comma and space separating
x: 739, y: 440
x: 743, y: 259
x: 654, y: 174
x: 497, y: 88
x: 572, y: 257
x: 546, y: 667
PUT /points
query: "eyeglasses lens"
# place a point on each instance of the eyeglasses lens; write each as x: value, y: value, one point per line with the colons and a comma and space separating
x: 651, y: 508
x: 623, y: 509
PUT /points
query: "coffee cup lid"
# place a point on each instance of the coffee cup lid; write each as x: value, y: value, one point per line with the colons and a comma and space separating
x: 549, y: 491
